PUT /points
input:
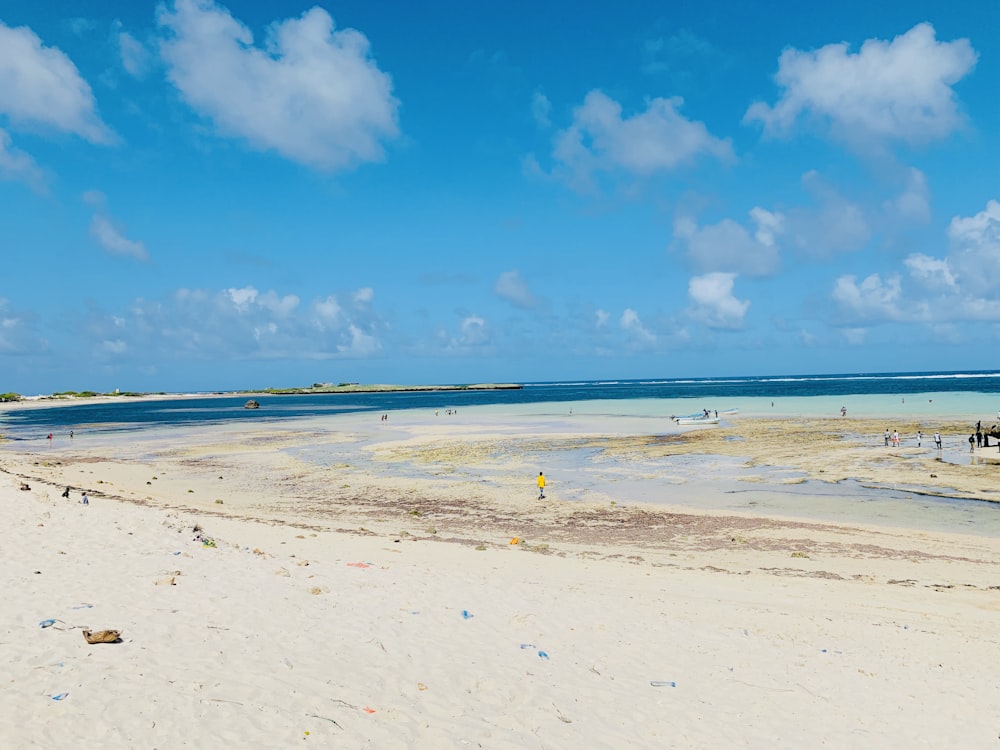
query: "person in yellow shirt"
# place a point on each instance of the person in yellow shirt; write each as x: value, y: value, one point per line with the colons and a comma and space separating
x: 541, y: 486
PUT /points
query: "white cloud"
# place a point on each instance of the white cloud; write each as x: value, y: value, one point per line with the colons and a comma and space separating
x: 40, y: 85
x: 632, y: 324
x: 836, y: 226
x: 17, y: 333
x: 364, y: 295
x: 933, y: 273
x: 136, y: 58
x: 541, y: 108
x: 913, y: 204
x: 601, y: 318
x: 359, y: 344
x: 282, y: 306
x: 713, y: 301
x: 897, y: 90
x: 974, y: 254
x: 728, y: 246
x: 511, y: 287
x: 311, y: 93
x: 327, y: 311
x: 855, y: 336
x: 602, y: 140
x: 243, y: 323
x: 873, y: 299
x: 18, y: 166
x: 242, y: 298
x: 107, y: 234
x: 474, y: 331
x: 962, y: 286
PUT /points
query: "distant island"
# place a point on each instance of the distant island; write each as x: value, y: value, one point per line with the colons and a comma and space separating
x: 314, y: 388
x: 363, y: 388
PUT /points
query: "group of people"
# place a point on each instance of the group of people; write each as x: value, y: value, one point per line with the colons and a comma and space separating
x: 84, y: 500
x: 893, y: 439
x: 981, y: 438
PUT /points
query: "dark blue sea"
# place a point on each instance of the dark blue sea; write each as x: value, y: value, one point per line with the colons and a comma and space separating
x: 126, y: 414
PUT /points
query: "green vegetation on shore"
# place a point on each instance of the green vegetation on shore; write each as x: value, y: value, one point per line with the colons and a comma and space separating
x: 10, y: 396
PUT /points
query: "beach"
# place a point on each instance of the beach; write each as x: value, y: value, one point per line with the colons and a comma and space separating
x: 777, y: 581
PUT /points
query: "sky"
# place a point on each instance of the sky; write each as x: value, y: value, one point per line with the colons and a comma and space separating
x: 217, y: 195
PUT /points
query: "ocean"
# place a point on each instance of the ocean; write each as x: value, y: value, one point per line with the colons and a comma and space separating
x: 973, y: 395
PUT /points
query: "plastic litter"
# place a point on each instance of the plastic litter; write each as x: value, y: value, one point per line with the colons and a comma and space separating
x: 58, y: 696
x: 543, y: 655
x: 46, y: 623
x: 527, y: 645
x: 466, y: 614
x: 83, y: 606
x: 663, y: 683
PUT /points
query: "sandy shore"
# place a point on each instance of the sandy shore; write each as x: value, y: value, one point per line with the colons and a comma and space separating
x: 361, y: 588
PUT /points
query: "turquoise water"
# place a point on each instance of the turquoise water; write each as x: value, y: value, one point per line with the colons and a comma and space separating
x: 958, y: 395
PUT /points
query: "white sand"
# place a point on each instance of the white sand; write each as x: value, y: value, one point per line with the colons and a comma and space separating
x: 769, y: 635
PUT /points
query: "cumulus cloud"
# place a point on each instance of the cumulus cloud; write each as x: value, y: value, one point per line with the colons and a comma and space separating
x: 474, y: 331
x: 873, y: 299
x: 729, y: 246
x: 602, y: 140
x: 241, y: 323
x: 40, y: 85
x: 108, y: 234
x: 18, y: 166
x: 932, y: 273
x: 713, y: 302
x: 964, y: 285
x: 311, y: 93
x: 633, y: 326
x: 896, y: 90
x: 974, y: 251
x: 511, y: 287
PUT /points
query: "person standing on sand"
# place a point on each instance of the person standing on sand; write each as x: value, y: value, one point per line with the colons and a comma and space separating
x: 84, y: 500
x: 895, y: 438
x: 972, y: 443
x: 920, y: 437
x: 541, y: 486
x: 888, y: 437
x: 937, y: 440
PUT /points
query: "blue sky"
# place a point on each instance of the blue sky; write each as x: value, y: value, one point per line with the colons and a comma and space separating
x: 199, y: 195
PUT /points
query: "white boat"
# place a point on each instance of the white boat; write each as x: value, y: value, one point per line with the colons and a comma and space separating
x: 697, y: 420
